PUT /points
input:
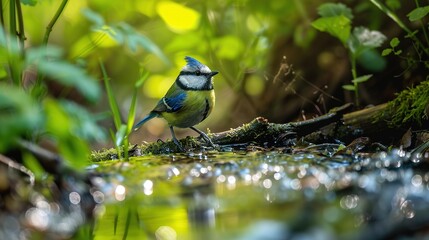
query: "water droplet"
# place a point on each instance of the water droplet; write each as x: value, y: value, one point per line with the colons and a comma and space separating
x: 407, y: 208
x: 120, y: 192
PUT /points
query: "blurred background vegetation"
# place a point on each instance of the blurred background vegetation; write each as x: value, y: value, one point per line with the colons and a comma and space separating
x: 245, y: 40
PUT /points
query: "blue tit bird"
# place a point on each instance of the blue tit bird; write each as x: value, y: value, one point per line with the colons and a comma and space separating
x: 188, y: 101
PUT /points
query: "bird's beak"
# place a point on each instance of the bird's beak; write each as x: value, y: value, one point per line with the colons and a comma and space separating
x: 213, y: 73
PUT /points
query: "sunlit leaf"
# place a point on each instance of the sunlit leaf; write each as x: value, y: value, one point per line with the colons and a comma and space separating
x: 394, y: 42
x: 335, y: 9
x: 349, y: 87
x: 228, y: 47
x: 337, y: 26
x: 254, y: 85
x: 362, y: 78
x: 386, y: 52
x: 178, y: 17
x: 418, y: 13
x: 88, y: 43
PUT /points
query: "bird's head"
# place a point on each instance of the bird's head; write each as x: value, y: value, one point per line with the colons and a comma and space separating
x: 195, y: 76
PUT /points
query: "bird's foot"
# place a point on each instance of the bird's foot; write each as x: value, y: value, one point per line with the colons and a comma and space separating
x: 178, y: 144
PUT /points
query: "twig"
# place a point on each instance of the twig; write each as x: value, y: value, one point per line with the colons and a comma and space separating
x: 12, y: 164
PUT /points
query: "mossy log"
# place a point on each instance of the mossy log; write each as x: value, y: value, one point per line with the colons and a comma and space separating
x: 338, y: 125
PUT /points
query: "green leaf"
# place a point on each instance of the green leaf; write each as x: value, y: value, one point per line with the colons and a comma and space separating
x: 337, y: 26
x: 349, y: 87
x: 418, y: 13
x: 394, y: 42
x: 393, y: 4
x: 94, y: 17
x: 29, y: 2
x: 58, y: 124
x: 134, y: 39
x: 112, y: 101
x: 362, y: 78
x: 120, y: 135
x: 386, y: 52
x: 19, y: 114
x: 335, y: 9
x: 72, y: 76
x: 83, y: 124
x: 398, y: 52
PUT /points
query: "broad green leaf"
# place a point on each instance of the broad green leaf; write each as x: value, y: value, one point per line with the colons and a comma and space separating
x: 362, y: 78
x: 19, y: 114
x: 335, y: 9
x: 337, y: 26
x: 349, y: 87
x: 394, y: 42
x: 178, y: 17
x: 386, y: 52
x: 83, y: 123
x: 59, y: 125
x: 418, y: 13
x: 72, y: 76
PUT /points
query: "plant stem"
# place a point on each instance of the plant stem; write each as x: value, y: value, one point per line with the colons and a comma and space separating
x: 354, y: 76
x: 53, y: 21
x: 1, y: 14
x: 48, y: 32
x: 14, y: 71
x: 21, y: 33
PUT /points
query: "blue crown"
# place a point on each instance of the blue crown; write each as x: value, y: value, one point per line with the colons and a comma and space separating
x: 192, y: 62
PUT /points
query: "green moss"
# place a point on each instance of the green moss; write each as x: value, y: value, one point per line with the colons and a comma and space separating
x: 410, y: 105
x: 189, y: 143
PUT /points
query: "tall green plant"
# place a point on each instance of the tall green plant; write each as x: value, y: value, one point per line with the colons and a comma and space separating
x: 123, y: 130
x: 336, y: 19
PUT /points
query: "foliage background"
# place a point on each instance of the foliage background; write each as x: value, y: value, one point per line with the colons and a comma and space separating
x: 243, y: 39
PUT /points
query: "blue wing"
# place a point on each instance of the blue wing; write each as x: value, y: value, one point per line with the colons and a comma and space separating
x: 171, y: 104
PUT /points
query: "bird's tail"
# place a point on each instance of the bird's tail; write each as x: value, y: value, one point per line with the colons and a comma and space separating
x: 145, y: 119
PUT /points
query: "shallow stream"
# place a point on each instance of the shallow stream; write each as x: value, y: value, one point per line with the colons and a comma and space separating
x: 264, y: 195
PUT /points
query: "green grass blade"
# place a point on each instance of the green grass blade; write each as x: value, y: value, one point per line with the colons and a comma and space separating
x: 112, y: 101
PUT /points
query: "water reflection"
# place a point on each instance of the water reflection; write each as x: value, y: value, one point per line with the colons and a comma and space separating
x: 227, y: 196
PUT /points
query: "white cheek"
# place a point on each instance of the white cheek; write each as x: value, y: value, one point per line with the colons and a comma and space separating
x: 192, y: 81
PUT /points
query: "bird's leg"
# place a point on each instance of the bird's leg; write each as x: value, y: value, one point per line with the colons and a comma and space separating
x: 175, y: 139
x: 206, y: 138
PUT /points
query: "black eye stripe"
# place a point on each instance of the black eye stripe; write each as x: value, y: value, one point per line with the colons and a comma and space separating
x: 197, y: 73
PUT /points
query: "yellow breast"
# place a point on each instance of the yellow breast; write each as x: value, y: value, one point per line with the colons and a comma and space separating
x: 196, y: 107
